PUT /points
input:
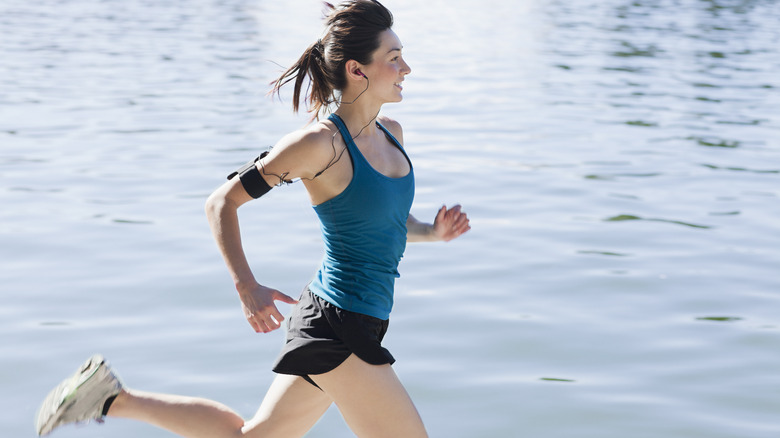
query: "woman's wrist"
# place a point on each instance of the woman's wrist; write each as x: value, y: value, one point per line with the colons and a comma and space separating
x: 431, y: 234
x: 246, y: 286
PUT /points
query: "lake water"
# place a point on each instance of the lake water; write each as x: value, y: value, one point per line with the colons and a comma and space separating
x: 619, y: 161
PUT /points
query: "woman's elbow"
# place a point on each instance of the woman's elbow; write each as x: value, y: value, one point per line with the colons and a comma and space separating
x: 215, y: 203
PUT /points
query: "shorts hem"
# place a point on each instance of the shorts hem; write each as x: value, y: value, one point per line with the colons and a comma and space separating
x: 321, y: 336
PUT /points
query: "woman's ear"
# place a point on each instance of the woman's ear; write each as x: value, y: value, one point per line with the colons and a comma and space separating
x: 354, y: 71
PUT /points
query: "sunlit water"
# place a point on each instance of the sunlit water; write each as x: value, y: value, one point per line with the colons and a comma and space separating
x: 620, y: 162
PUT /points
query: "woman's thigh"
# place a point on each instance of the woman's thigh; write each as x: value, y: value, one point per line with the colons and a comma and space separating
x: 290, y: 408
x: 372, y: 400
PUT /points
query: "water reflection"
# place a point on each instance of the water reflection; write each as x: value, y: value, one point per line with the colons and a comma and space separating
x: 719, y: 318
x: 630, y: 217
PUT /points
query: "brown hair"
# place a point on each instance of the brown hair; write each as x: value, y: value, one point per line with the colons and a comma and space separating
x: 352, y: 32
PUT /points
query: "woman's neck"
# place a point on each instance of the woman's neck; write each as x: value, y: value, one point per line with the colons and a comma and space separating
x: 359, y: 118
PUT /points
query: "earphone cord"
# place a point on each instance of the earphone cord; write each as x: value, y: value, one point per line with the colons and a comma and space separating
x: 358, y: 96
x: 336, y: 156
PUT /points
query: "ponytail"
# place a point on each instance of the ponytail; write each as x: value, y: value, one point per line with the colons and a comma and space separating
x: 320, y: 93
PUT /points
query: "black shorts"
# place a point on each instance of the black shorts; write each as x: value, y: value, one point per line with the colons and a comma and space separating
x: 320, y: 336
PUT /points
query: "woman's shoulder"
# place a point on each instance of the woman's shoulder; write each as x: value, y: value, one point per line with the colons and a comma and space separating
x: 302, y: 152
x: 393, y: 126
x: 309, y: 137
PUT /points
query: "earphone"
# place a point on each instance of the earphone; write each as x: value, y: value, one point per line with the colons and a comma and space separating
x: 361, y: 74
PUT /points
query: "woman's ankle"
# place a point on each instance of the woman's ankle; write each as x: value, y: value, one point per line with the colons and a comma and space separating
x: 110, y: 402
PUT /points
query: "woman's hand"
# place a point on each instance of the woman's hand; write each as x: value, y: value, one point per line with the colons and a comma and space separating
x: 450, y: 223
x: 259, y: 308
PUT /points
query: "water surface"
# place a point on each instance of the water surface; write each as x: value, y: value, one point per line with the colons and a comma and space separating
x: 619, y: 161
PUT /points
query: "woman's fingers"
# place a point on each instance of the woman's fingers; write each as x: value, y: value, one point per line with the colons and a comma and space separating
x: 451, y: 223
x: 263, y: 324
x: 253, y: 322
x: 284, y: 298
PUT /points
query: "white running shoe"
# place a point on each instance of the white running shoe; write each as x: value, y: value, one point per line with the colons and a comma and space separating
x: 80, y: 397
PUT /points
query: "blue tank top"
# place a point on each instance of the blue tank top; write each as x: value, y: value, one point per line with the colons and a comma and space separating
x: 364, y: 230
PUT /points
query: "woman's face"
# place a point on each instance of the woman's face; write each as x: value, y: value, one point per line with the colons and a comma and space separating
x: 388, y: 68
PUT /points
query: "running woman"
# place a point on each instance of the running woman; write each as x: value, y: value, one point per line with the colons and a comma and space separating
x: 361, y: 184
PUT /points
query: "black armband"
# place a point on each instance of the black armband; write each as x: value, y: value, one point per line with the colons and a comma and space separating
x: 251, y: 179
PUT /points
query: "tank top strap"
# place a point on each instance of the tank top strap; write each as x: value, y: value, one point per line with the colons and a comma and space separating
x: 343, y: 131
x: 354, y: 152
x: 389, y: 135
x: 395, y: 141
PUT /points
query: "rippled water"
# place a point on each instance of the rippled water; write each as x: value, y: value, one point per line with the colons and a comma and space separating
x: 619, y: 159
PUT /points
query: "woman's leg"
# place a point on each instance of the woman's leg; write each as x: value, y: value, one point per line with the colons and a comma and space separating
x: 372, y: 400
x: 289, y: 409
